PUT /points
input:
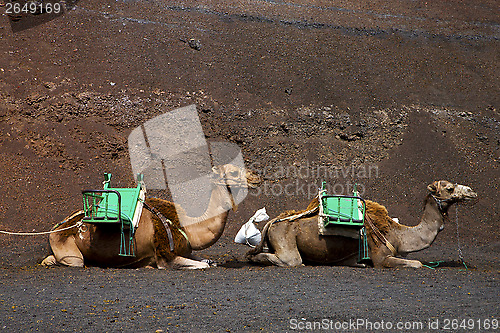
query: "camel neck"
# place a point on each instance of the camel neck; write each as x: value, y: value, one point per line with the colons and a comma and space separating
x: 421, y: 236
x: 205, y: 230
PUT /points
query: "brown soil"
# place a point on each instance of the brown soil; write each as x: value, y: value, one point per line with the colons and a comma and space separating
x: 391, y: 95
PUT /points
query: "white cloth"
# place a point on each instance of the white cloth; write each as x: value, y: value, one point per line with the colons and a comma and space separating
x: 249, y: 234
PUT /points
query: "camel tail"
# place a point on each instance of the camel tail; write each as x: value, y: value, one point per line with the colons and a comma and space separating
x: 258, y: 249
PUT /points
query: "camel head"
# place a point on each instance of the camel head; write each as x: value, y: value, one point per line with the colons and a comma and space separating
x: 235, y: 177
x: 451, y: 193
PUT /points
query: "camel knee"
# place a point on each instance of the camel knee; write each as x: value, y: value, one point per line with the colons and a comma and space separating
x: 273, y: 259
x: 291, y: 262
x: 71, y: 261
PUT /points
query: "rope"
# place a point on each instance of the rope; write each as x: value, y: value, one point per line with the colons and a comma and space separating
x: 39, y: 233
x: 297, y: 216
x: 435, y: 264
x: 460, y: 254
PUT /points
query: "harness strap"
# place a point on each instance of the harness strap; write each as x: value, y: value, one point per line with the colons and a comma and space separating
x: 380, y: 236
x: 166, y: 223
x: 297, y: 216
x: 439, y: 202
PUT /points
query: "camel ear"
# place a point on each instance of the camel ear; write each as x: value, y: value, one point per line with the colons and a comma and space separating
x: 432, y: 187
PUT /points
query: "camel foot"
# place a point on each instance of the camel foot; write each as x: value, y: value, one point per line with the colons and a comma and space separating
x: 356, y: 265
x: 71, y: 261
x: 211, y: 263
x: 393, y: 262
x: 273, y: 259
x: 208, y: 261
x: 49, y: 261
x: 414, y: 264
x: 185, y: 263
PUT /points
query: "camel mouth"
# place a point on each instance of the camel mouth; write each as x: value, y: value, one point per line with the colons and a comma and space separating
x: 464, y: 193
x: 471, y: 197
x: 235, y: 177
x: 240, y: 184
x: 253, y: 185
x: 470, y: 194
x: 253, y: 180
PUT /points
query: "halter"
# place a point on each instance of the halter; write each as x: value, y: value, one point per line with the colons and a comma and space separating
x: 439, y: 202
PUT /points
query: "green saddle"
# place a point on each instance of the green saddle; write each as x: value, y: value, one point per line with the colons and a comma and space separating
x: 122, y: 206
x: 343, y: 210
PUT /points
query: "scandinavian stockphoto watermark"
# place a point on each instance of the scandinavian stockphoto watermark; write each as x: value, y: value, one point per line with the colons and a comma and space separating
x: 306, y: 178
x: 172, y: 152
x: 380, y: 325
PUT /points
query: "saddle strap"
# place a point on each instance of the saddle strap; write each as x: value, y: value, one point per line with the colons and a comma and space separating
x: 297, y: 216
x: 166, y: 223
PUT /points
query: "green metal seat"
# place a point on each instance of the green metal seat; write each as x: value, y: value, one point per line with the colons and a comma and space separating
x: 122, y: 206
x: 344, y: 215
x: 342, y: 210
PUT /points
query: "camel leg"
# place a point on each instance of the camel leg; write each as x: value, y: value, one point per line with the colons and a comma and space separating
x: 267, y: 259
x: 351, y: 262
x: 392, y: 262
x: 65, y: 250
x: 281, y: 259
x: 286, y: 253
x: 185, y: 263
x: 198, y: 258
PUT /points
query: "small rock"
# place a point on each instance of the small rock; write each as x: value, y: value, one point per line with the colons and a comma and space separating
x: 195, y: 44
x: 50, y: 85
x: 482, y: 137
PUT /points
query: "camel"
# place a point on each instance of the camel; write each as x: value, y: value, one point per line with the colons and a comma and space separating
x: 97, y: 244
x: 292, y: 241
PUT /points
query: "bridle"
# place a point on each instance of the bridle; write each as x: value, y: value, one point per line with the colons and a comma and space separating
x: 440, y: 202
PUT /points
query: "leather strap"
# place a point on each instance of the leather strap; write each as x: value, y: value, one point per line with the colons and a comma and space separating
x: 166, y: 223
x: 381, y: 237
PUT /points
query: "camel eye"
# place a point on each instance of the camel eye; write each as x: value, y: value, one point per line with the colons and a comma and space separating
x: 450, y: 189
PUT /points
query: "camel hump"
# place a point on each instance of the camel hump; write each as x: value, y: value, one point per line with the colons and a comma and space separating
x: 378, y: 215
x: 313, y: 204
x: 166, y: 208
x: 375, y: 208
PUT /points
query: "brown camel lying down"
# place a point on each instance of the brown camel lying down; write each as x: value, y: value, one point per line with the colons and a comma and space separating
x: 292, y: 241
x: 98, y: 244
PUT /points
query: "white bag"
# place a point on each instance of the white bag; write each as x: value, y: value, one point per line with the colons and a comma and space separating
x: 249, y: 234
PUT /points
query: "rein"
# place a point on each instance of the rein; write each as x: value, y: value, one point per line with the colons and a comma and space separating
x: 380, y: 236
x: 439, y: 202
